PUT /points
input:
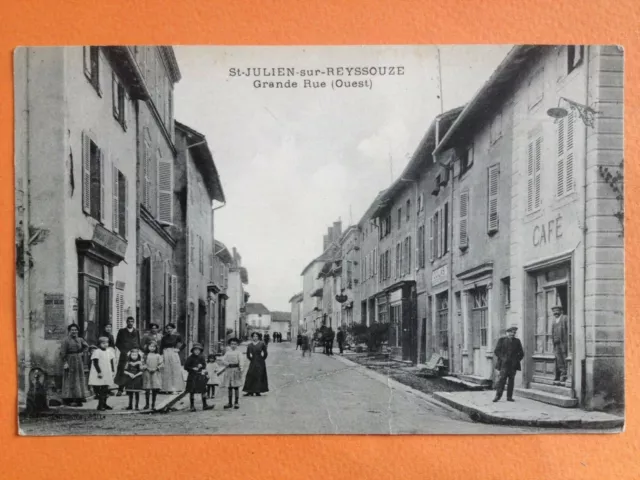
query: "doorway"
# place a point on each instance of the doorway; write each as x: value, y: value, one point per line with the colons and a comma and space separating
x: 479, y: 331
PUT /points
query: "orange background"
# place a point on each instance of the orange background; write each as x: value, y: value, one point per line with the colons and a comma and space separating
x: 541, y: 457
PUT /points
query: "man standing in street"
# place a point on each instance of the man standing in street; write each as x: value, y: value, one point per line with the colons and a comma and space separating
x: 340, y: 339
x: 508, y: 355
x: 128, y: 338
x: 560, y: 335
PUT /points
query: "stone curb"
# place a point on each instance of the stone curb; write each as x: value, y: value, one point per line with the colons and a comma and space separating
x: 394, y: 384
x: 479, y: 415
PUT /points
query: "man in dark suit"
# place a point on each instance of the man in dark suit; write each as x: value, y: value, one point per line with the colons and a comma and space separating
x: 560, y: 335
x: 508, y: 355
x: 128, y: 338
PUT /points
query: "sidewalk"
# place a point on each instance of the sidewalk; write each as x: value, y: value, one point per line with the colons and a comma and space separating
x: 525, y: 412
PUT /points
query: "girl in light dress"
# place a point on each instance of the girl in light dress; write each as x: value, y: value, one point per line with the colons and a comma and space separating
x: 213, y: 367
x: 133, y: 371
x: 101, y: 373
x: 152, y: 375
x: 232, y: 361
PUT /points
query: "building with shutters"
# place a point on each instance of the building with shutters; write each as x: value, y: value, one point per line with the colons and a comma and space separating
x: 258, y: 319
x: 238, y: 277
x: 296, y: 315
x: 280, y: 323
x: 196, y: 186
x: 565, y: 241
x: 348, y: 302
x: 222, y: 262
x: 157, y: 275
x: 75, y: 197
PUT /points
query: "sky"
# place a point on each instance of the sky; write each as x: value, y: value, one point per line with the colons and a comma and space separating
x: 294, y: 160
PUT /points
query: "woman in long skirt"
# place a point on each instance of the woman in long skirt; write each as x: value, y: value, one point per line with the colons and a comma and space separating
x: 170, y: 347
x: 74, y: 389
x: 256, y: 381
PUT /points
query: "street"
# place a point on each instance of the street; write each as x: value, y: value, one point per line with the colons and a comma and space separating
x: 311, y: 395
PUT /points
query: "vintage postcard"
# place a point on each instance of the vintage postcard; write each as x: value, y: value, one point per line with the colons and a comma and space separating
x: 319, y: 240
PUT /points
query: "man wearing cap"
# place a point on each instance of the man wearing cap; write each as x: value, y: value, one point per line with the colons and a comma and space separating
x: 560, y: 335
x: 508, y: 355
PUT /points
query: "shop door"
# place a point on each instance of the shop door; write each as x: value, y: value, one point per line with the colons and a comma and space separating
x: 96, y: 311
x: 479, y: 331
x: 202, y: 323
x: 552, y: 288
x: 442, y: 325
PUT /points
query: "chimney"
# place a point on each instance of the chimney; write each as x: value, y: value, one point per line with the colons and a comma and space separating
x: 325, y: 242
x: 337, y: 230
x: 330, y: 235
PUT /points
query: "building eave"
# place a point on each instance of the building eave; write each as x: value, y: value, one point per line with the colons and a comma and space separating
x: 203, y: 160
x: 494, y: 92
x: 169, y: 57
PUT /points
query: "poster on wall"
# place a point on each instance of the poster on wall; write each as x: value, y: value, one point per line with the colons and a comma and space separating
x: 54, y: 321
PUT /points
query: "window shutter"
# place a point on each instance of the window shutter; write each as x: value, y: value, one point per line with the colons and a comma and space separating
x: 115, y: 192
x: 86, y: 171
x: 569, y: 185
x: 537, y: 169
x: 445, y: 233
x: 125, y: 199
x: 464, y: 213
x: 431, y: 239
x: 147, y: 175
x: 493, y: 187
x: 409, y: 265
x: 560, y: 162
x: 165, y: 189
x: 174, y: 298
x: 102, y: 180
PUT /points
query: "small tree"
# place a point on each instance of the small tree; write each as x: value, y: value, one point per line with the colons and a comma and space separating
x: 615, y: 179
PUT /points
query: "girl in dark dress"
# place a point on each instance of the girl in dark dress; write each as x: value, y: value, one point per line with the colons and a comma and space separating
x: 256, y: 381
x: 133, y: 371
x: 196, y: 365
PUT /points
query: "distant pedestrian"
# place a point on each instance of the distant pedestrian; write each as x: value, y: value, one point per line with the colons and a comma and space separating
x: 256, y: 381
x: 340, y: 339
x: 213, y: 367
x: 299, y: 341
x: 101, y: 372
x: 170, y: 348
x: 304, y: 345
x: 72, y: 353
x: 196, y: 365
x: 329, y: 341
x: 232, y: 361
x: 266, y: 339
x: 127, y: 339
x: 508, y: 353
x: 133, y: 369
x: 152, y: 375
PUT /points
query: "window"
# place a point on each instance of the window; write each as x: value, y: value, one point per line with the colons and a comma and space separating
x: 408, y: 255
x: 119, y: 101
x: 420, y: 206
x: 201, y: 254
x: 192, y: 255
x: 388, y: 224
x: 436, y: 235
x: 431, y: 243
x: 496, y: 128
x: 466, y: 159
x: 93, y: 164
x: 464, y: 219
x: 173, y: 294
x: 120, y: 208
x: 574, y: 57
x: 91, y: 62
x: 506, y: 291
x: 211, y: 267
x: 564, y: 165
x: 398, y: 258
x: 534, y: 153
x: 479, y: 317
x: 408, y: 210
x: 399, y: 218
x: 536, y: 88
x: 445, y: 228
x: 493, y: 182
x: 421, y: 247
x: 349, y: 273
x: 442, y: 325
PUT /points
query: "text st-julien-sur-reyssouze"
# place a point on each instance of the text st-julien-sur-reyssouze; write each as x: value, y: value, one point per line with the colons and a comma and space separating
x: 339, y: 83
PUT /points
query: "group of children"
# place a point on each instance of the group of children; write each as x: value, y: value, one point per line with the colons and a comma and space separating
x: 144, y: 374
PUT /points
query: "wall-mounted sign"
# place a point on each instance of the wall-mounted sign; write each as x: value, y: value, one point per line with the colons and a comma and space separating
x: 439, y: 275
x: 55, y: 327
x: 547, y: 232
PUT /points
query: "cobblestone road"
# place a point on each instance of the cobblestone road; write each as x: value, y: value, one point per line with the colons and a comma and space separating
x: 316, y: 395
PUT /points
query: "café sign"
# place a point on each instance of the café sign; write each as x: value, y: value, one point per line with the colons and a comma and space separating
x: 547, y: 232
x: 439, y: 275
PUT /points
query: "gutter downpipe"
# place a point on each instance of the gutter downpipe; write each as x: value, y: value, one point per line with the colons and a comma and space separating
x: 26, y: 272
x: 584, y: 241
